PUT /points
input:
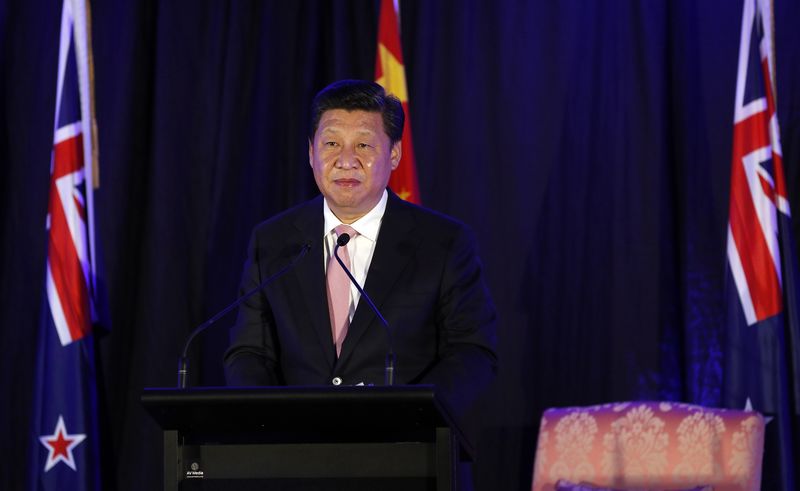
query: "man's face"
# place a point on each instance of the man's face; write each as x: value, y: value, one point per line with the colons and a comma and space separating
x: 352, y: 159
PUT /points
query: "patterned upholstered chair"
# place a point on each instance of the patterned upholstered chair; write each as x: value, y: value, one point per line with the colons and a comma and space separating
x: 649, y: 445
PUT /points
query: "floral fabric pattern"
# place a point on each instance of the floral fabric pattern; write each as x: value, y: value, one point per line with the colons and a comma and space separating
x: 650, y: 445
x: 699, y: 441
x: 747, y: 441
x: 636, y: 444
x: 574, y: 438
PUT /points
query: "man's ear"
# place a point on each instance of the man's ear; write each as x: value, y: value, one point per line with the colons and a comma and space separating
x: 310, y: 153
x: 396, y: 153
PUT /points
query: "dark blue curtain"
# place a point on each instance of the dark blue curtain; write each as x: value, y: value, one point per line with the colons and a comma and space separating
x: 587, y: 143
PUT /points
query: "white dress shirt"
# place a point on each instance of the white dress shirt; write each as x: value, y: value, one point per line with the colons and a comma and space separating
x: 360, y: 248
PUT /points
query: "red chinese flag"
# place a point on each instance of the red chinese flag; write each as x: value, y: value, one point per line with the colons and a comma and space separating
x: 391, y: 74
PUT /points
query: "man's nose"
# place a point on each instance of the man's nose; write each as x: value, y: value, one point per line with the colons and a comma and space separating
x: 348, y: 159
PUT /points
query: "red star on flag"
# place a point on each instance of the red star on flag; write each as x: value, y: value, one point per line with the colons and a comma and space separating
x: 60, y: 445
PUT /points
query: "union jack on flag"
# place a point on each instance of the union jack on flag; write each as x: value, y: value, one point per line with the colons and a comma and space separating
x: 762, y: 329
x: 64, y: 432
x: 758, y: 188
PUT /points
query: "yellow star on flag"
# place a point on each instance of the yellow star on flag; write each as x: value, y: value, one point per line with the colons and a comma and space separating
x: 394, y: 77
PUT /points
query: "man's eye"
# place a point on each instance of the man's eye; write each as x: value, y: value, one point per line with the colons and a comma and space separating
x: 331, y: 144
x: 364, y: 145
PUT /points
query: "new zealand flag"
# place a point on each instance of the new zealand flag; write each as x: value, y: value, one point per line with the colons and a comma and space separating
x: 762, y: 336
x: 64, y: 433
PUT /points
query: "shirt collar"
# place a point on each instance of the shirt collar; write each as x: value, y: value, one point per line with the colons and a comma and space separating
x: 366, y: 226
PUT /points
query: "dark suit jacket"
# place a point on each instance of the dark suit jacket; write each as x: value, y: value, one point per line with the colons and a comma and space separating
x: 425, y: 278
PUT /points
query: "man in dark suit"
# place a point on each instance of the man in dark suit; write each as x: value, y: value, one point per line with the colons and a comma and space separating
x: 419, y: 267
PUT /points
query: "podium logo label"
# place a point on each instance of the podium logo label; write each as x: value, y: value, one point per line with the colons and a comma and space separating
x: 194, y: 471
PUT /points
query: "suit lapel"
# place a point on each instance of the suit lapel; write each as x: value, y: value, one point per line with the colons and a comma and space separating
x: 396, y: 245
x: 311, y: 274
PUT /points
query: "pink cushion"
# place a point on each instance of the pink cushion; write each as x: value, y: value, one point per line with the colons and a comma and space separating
x: 650, y: 445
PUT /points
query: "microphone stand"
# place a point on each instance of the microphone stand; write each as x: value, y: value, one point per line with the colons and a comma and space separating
x: 183, y: 362
x: 391, y: 360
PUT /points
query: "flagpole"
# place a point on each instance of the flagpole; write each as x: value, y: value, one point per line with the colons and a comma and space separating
x: 82, y: 29
x: 92, y: 116
x: 772, y: 58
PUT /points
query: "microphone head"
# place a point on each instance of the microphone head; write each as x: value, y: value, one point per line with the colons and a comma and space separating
x: 343, y: 240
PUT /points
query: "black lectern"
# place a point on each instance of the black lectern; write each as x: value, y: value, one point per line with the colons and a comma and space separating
x: 306, y: 438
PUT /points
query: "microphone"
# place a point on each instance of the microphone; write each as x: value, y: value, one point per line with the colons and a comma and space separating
x: 342, y: 241
x: 182, y: 364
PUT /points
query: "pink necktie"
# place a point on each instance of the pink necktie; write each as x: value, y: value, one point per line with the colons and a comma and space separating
x: 339, y: 290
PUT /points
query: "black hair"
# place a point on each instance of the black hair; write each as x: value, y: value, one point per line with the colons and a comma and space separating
x: 359, y: 95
